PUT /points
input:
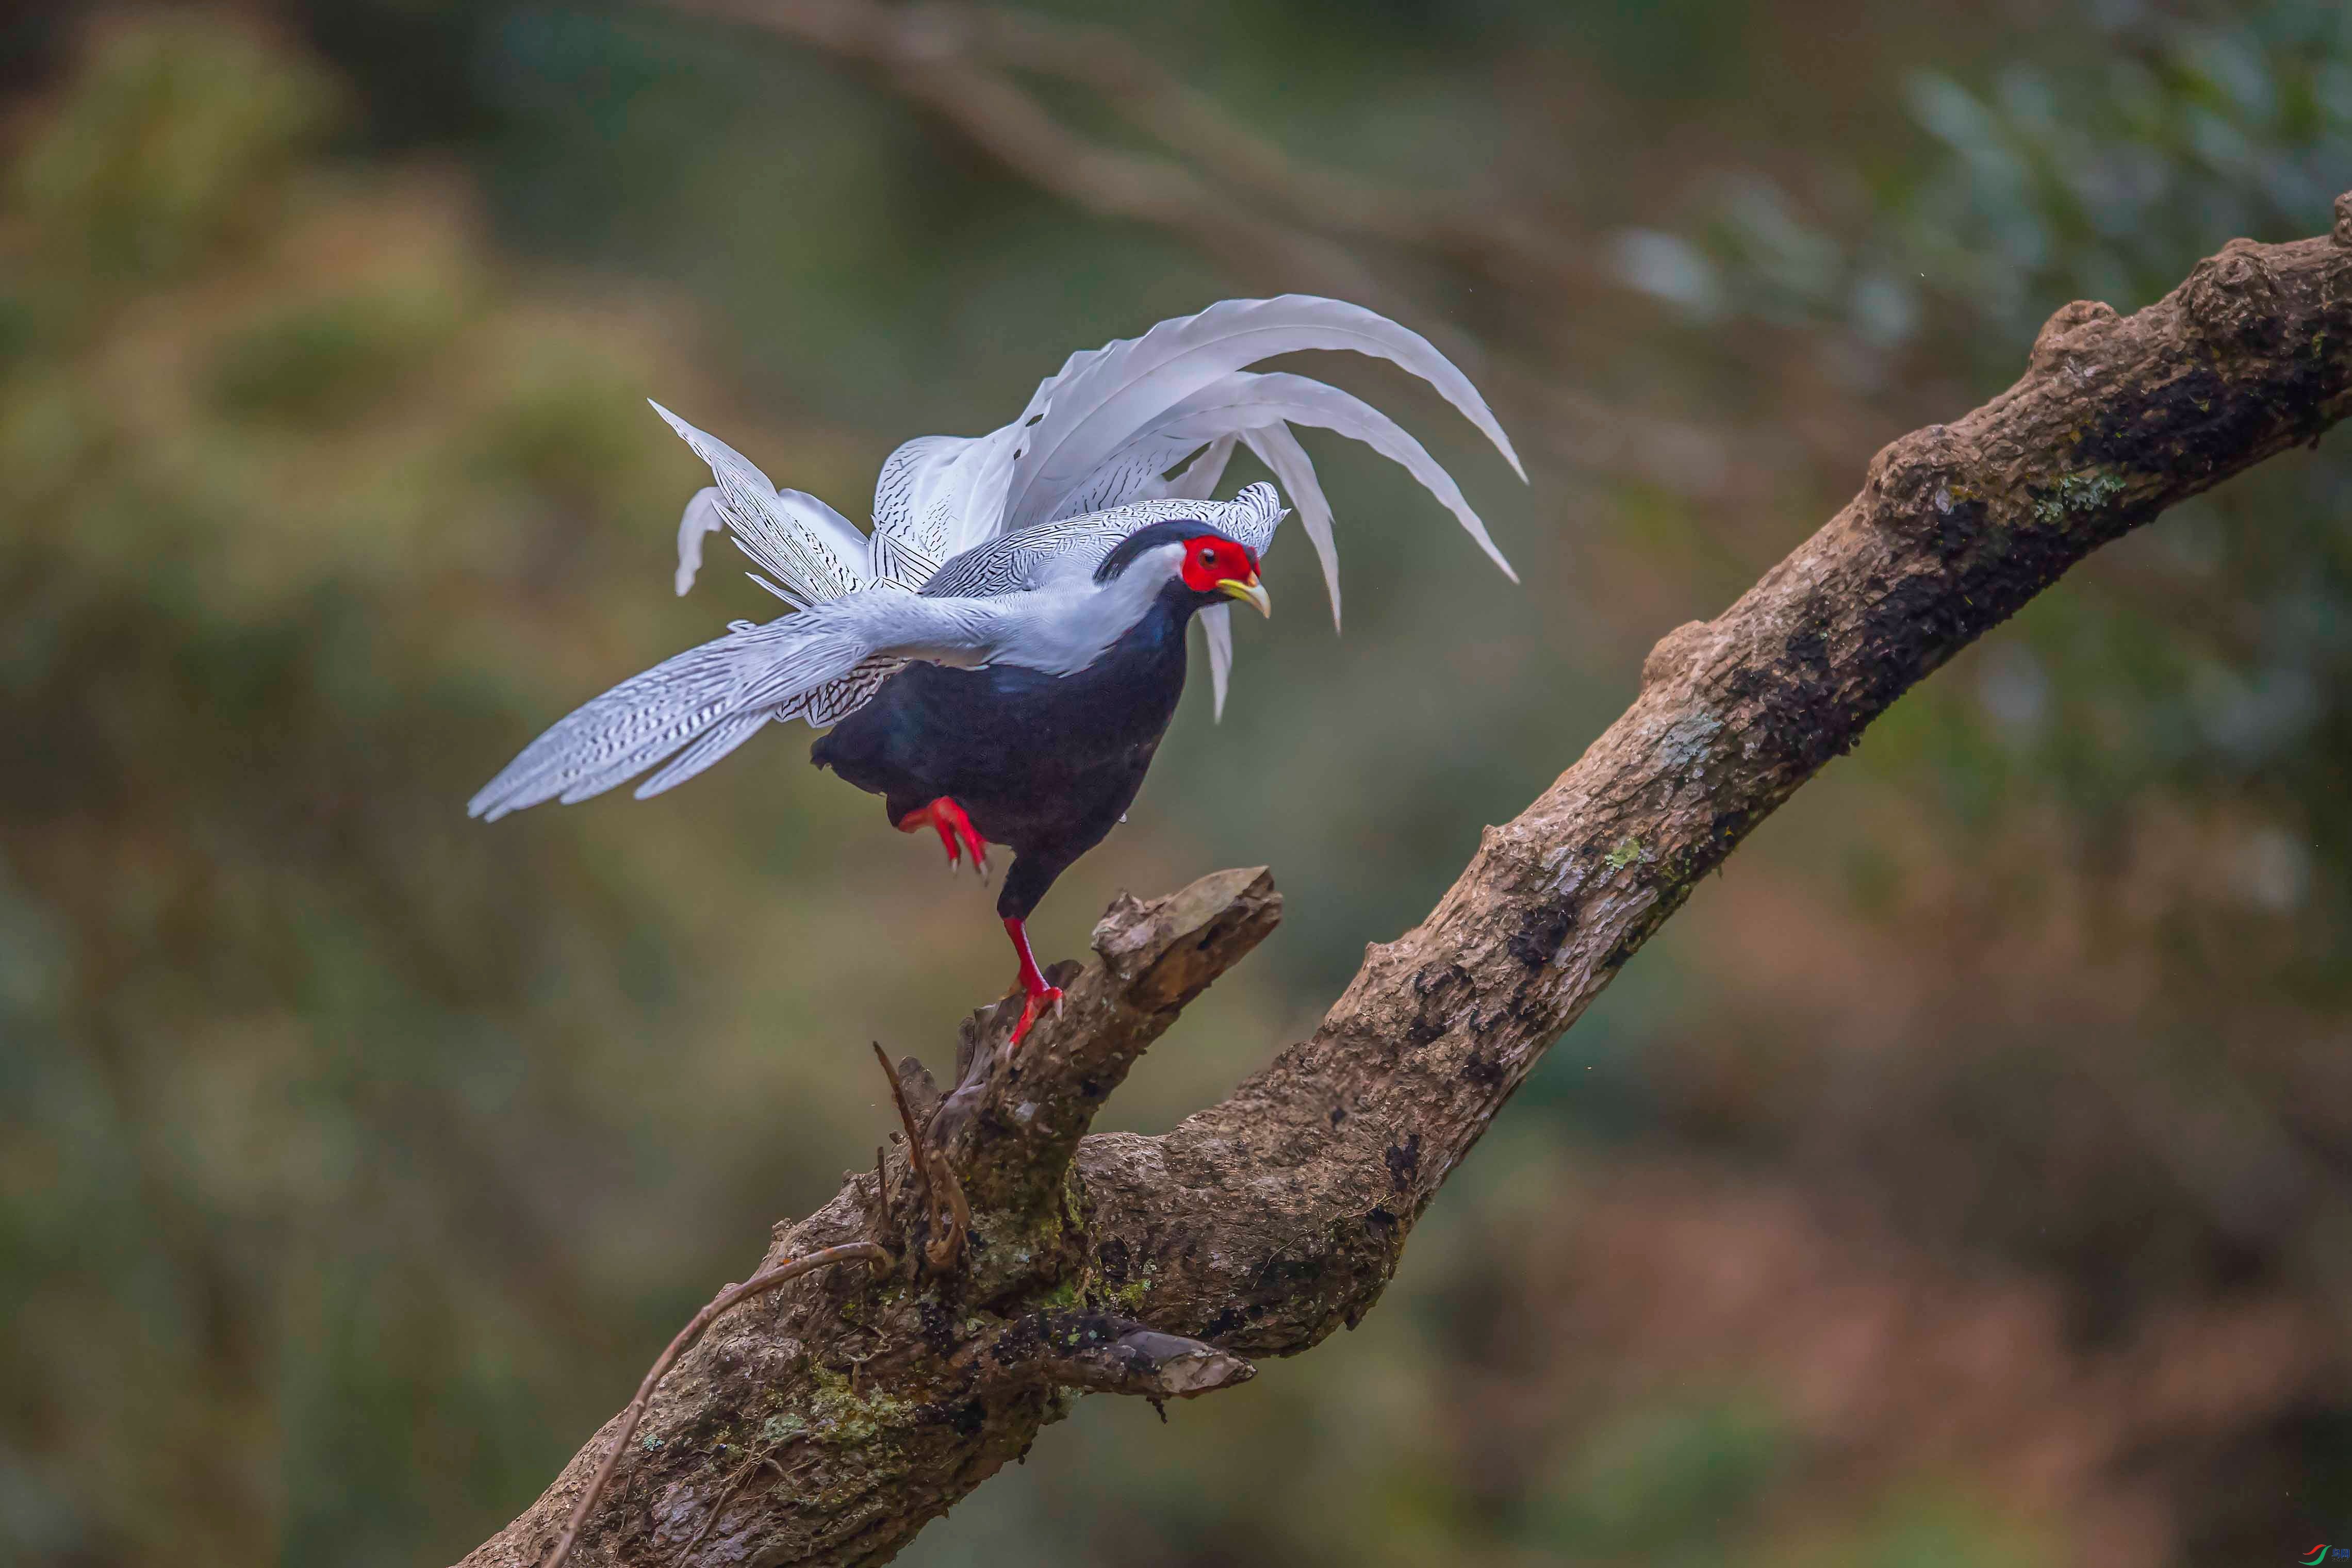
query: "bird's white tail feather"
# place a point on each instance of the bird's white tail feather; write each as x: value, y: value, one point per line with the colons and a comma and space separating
x: 1071, y: 450
x: 1217, y: 630
x: 1101, y: 398
x: 1275, y: 446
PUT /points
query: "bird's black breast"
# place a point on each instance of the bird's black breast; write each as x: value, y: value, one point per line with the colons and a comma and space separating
x: 1041, y: 762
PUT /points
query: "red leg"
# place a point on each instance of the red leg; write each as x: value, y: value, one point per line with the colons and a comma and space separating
x: 953, y: 825
x: 1032, y: 982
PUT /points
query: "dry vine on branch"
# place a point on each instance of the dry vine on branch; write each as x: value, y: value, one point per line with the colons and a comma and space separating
x: 1019, y: 1261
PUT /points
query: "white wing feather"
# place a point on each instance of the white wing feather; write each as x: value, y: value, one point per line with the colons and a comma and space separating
x: 813, y: 551
x: 704, y: 703
x: 943, y: 495
x: 702, y: 516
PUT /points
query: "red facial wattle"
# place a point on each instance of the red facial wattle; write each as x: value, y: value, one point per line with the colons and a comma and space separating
x: 1210, y: 561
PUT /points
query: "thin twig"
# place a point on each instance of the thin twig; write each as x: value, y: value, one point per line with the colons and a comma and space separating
x: 766, y: 1281
x: 943, y: 1201
x: 915, y: 1161
x: 946, y: 1241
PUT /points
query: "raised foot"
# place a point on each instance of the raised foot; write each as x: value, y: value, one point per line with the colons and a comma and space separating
x: 955, y: 829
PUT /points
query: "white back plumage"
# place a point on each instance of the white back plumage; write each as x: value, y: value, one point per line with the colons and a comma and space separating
x: 959, y: 520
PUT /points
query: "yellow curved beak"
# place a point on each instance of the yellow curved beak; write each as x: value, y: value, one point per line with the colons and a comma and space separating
x: 1249, y: 592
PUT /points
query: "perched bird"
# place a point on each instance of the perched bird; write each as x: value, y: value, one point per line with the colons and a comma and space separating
x: 1000, y: 657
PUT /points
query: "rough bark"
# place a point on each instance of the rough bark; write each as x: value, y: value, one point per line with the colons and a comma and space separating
x: 827, y: 1424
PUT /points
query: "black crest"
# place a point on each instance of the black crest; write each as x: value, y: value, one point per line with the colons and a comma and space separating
x: 1175, y: 530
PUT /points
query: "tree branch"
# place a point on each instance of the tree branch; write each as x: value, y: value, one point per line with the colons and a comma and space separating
x: 766, y: 1280
x: 1154, y: 1265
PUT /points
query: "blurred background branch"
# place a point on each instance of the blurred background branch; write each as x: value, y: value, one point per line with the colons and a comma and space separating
x: 965, y: 64
x: 1213, y: 185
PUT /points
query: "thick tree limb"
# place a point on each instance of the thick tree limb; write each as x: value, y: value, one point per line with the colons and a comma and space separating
x: 860, y: 1410
x: 766, y: 1280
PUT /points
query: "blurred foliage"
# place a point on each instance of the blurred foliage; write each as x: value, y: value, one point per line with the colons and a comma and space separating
x: 2208, y: 660
x: 2099, y: 166
x: 291, y: 467
x: 1964, y: 1178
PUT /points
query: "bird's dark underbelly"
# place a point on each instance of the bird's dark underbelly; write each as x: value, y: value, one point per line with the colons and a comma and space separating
x: 1040, y: 762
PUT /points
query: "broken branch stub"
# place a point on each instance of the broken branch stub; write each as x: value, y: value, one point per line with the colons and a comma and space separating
x: 1081, y: 1348
x: 1013, y: 1122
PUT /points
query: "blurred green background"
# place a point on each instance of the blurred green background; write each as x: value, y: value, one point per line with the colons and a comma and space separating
x: 1964, y: 1178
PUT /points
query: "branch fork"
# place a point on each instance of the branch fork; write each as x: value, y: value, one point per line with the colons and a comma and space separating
x: 985, y: 1345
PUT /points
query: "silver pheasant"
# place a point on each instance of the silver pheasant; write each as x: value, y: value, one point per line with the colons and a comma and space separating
x: 984, y: 547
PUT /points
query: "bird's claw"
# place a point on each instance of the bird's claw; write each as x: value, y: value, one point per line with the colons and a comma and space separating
x: 957, y: 835
x: 1032, y: 1007
x: 957, y: 825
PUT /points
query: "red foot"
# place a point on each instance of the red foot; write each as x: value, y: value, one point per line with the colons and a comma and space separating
x: 953, y: 826
x: 1032, y: 982
x: 1033, y: 1007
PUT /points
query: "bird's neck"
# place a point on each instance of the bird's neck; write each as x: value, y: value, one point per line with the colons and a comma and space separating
x: 1075, y: 634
